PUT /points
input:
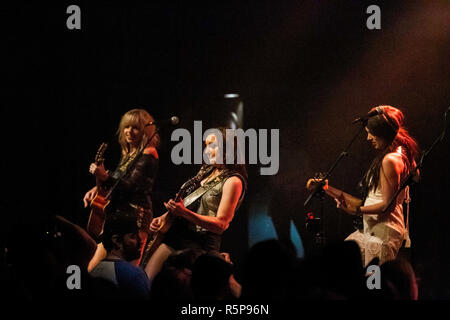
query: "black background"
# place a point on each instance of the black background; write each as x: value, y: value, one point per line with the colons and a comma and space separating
x: 307, y: 68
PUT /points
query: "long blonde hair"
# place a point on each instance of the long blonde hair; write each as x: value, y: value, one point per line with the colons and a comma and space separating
x: 138, y: 118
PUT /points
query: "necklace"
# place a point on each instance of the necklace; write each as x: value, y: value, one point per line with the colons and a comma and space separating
x: 212, y: 176
x: 129, y: 159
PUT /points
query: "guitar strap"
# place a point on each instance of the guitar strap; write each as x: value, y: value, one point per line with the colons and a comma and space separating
x: 123, y: 170
x: 357, y: 221
x: 199, y: 192
x: 407, y: 201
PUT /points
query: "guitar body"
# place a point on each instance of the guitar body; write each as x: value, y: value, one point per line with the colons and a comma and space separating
x: 97, y: 215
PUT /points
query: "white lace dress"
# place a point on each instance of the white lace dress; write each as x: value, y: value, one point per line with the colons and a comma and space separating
x: 383, y: 234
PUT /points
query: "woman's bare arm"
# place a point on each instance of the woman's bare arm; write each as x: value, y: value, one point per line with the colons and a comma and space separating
x: 231, y: 193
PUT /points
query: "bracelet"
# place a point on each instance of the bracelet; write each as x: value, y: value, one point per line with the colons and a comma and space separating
x: 358, y: 211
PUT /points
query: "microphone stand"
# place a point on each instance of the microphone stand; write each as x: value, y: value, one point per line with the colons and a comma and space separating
x: 320, y: 238
x: 409, y: 180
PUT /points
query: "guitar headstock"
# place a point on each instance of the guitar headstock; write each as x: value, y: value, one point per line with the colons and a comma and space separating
x: 99, y: 155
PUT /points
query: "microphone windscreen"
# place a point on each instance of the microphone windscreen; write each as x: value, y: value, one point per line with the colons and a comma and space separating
x: 174, y: 120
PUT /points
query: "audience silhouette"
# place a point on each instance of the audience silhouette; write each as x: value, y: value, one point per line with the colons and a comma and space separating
x: 34, y: 267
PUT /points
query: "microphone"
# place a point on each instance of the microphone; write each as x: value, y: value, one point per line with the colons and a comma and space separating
x: 377, y: 111
x: 162, y: 123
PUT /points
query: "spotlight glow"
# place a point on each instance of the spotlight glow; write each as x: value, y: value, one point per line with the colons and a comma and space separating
x: 231, y: 95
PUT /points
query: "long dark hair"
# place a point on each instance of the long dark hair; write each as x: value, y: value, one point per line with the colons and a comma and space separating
x: 389, y: 126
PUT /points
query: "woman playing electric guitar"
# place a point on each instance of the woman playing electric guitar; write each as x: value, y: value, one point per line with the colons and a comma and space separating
x: 384, y: 229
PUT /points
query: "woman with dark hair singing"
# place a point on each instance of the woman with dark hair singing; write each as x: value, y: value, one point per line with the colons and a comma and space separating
x: 384, y: 228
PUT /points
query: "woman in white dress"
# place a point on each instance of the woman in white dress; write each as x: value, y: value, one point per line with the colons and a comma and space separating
x: 384, y: 229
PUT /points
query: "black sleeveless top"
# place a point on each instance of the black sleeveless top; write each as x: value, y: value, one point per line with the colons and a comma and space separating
x: 185, y: 234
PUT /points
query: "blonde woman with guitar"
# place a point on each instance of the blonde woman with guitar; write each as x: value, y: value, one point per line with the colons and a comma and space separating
x: 131, y: 184
x: 384, y: 229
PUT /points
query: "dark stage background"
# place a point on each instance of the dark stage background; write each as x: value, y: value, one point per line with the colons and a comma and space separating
x: 307, y: 68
